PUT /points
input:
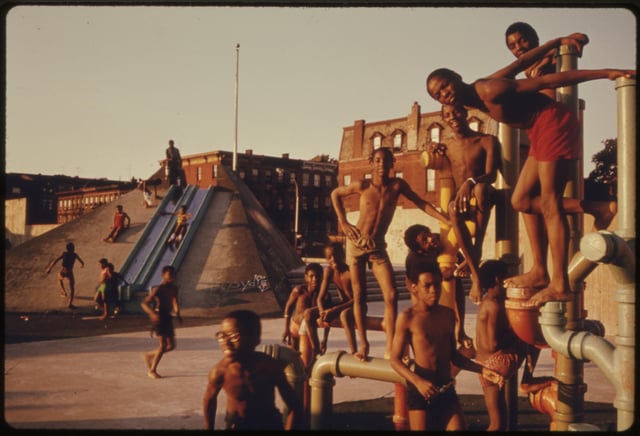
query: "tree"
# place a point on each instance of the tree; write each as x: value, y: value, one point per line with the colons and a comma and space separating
x: 601, y: 183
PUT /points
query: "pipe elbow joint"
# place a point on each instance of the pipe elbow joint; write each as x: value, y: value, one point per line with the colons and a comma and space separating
x: 607, y: 247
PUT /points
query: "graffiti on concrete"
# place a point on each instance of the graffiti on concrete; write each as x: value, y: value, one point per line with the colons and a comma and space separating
x: 258, y: 282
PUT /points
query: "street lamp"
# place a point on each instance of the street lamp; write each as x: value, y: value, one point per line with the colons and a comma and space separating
x: 280, y: 172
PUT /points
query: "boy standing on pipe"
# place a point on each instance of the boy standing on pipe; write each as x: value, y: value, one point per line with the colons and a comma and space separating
x: 366, y: 239
x: 554, y: 134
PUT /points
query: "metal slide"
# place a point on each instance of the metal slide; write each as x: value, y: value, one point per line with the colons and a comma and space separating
x: 197, y: 208
x: 151, y: 249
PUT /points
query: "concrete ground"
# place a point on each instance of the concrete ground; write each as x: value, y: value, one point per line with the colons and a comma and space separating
x: 100, y: 382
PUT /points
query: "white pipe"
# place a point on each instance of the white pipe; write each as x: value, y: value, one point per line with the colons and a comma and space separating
x: 617, y: 364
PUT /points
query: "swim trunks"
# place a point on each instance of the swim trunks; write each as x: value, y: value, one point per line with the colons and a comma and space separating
x: 263, y: 420
x: 374, y: 252
x: 555, y: 134
x: 416, y: 401
x: 164, y: 326
x: 504, y: 362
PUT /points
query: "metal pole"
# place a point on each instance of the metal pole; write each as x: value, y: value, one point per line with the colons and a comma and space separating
x: 296, y: 217
x: 235, y: 108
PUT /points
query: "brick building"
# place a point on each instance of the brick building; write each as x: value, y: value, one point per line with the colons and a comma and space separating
x: 408, y: 137
x: 295, y: 193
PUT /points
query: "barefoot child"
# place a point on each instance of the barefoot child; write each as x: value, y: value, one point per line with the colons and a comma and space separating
x: 366, y: 239
x: 554, y: 132
x: 337, y: 272
x: 165, y: 297
x: 302, y: 297
x: 428, y: 328
x: 68, y: 259
x: 249, y: 379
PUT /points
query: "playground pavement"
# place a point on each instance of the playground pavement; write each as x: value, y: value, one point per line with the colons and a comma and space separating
x: 100, y: 382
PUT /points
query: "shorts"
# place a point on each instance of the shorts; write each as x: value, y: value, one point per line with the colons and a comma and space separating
x: 294, y: 328
x: 164, y: 327
x: 504, y: 362
x: 416, y: 401
x: 266, y: 420
x: 374, y: 252
x: 555, y: 134
x: 66, y: 272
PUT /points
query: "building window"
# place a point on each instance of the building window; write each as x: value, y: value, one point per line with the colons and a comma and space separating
x: 199, y: 174
x: 327, y: 181
x: 431, y: 180
x: 255, y: 173
x: 305, y: 179
x: 434, y: 133
x: 316, y: 180
x: 305, y: 202
x: 377, y: 141
x: 214, y: 172
x: 346, y: 179
x: 267, y: 175
x: 327, y: 202
x: 367, y: 176
x: 397, y: 140
x: 316, y: 202
x: 292, y: 177
x: 242, y: 174
x: 399, y: 174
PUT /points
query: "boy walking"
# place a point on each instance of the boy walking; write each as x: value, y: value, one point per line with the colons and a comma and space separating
x: 165, y: 297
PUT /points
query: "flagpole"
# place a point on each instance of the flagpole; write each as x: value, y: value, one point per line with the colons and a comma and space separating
x: 235, y: 137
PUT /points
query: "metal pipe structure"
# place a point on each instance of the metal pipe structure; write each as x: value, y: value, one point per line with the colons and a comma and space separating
x: 618, y: 251
x: 294, y: 369
x: 506, y: 228
x: 342, y: 364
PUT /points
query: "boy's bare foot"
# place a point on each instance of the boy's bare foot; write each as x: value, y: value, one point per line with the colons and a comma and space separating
x: 603, y: 213
x: 535, y: 384
x: 462, y: 271
x: 153, y: 374
x: 63, y: 294
x: 147, y: 360
x: 547, y: 294
x: 529, y: 279
x: 362, y: 353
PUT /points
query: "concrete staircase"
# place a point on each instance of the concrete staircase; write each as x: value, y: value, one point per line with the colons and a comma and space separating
x: 374, y: 293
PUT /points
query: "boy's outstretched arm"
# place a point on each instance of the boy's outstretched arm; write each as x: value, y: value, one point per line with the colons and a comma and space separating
x: 569, y: 78
x: 577, y: 40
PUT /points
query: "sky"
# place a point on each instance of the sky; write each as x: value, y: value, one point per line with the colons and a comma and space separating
x: 98, y: 91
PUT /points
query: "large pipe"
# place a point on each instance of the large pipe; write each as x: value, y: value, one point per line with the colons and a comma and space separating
x: 294, y: 369
x: 342, y: 364
x: 618, y: 363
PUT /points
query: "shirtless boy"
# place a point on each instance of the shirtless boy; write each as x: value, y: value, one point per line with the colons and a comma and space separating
x: 68, y: 259
x: 366, y: 239
x: 474, y: 159
x: 337, y: 272
x: 165, y: 297
x: 536, y: 61
x: 249, y: 379
x: 301, y: 298
x: 554, y: 134
x: 428, y: 328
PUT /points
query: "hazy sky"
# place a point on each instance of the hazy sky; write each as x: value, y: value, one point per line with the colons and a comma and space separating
x: 99, y: 91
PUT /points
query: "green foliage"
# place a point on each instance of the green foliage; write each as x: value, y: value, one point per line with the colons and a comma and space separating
x: 606, y: 162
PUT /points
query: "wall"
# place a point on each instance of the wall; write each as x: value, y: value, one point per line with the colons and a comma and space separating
x: 15, y: 227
